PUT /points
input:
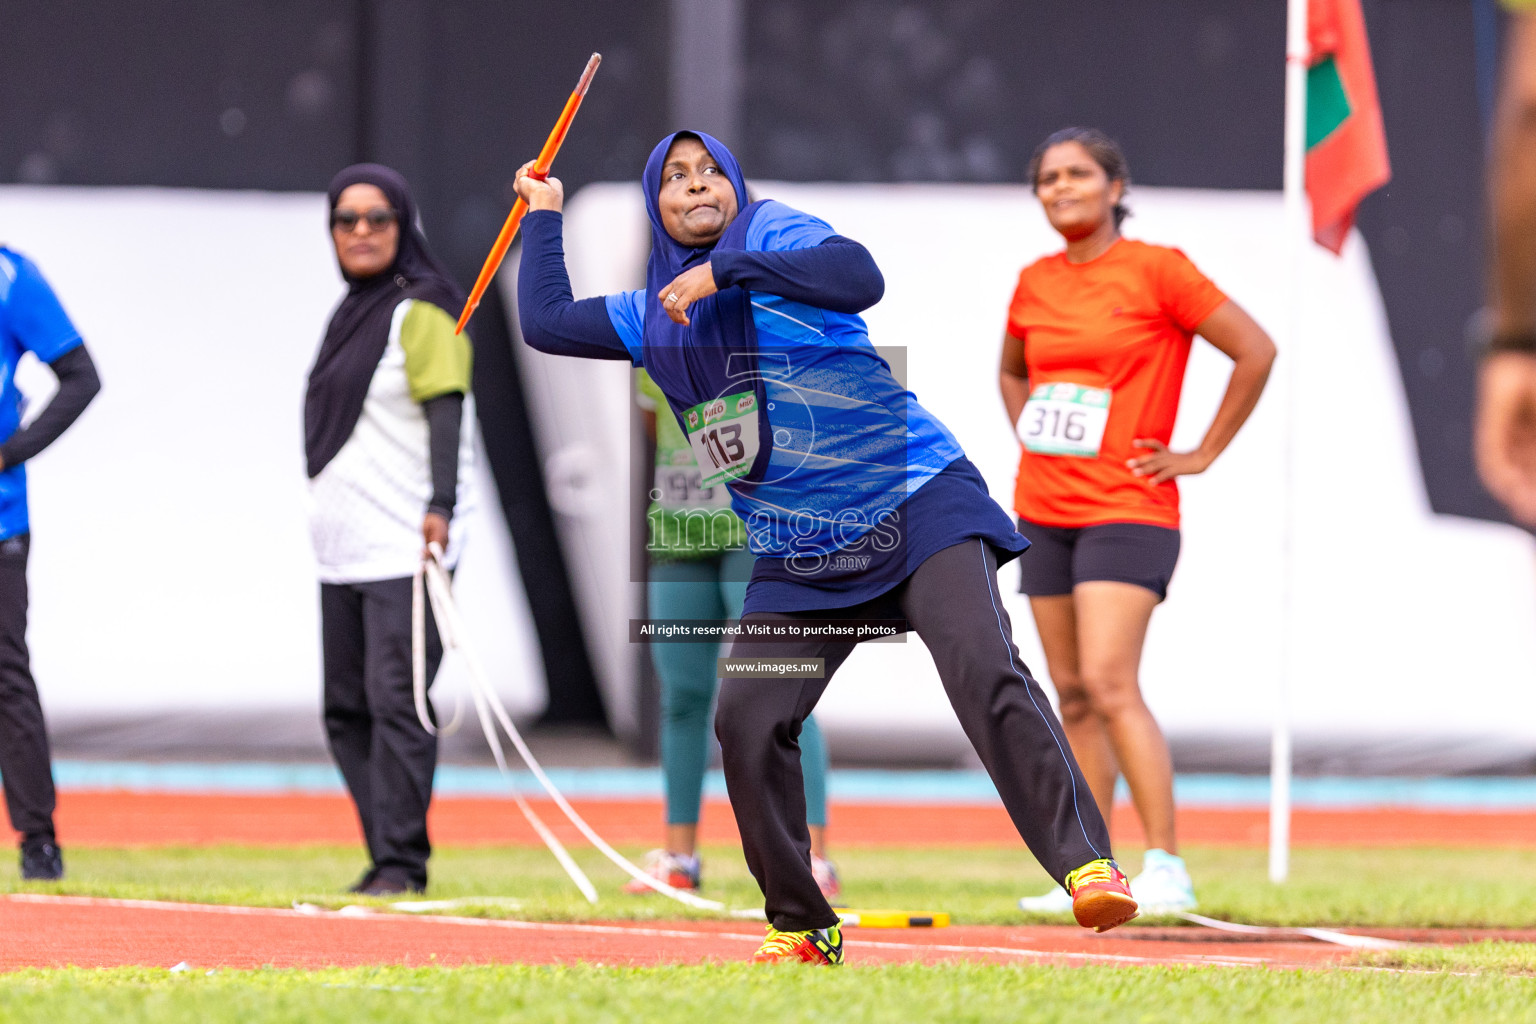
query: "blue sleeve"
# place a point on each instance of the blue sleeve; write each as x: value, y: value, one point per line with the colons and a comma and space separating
x: 798, y: 257
x: 626, y: 311
x: 551, y: 320
x: 779, y: 228
x: 33, y: 312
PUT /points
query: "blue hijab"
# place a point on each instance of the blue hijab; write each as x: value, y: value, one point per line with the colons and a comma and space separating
x: 691, y: 363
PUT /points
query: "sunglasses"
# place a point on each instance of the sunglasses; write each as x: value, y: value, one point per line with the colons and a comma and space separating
x: 346, y: 221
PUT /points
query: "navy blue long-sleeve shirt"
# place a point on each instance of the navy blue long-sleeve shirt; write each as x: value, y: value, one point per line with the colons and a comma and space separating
x: 839, y: 274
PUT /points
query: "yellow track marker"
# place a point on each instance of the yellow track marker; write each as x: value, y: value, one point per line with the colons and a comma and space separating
x: 893, y: 918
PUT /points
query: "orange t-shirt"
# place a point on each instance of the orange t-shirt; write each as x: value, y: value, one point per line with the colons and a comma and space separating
x: 1122, y: 322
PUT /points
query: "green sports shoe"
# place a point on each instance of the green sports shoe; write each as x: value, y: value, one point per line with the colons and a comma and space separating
x: 821, y: 946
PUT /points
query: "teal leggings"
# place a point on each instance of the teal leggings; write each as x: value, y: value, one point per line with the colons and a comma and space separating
x: 708, y: 588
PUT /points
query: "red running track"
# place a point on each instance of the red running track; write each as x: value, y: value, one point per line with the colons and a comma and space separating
x: 119, y: 818
x: 59, y: 931
x: 55, y: 931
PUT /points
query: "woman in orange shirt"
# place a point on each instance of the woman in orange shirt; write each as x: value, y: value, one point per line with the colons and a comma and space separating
x: 1092, y: 366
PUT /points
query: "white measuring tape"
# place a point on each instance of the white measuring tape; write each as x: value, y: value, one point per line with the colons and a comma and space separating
x: 433, y: 578
x: 1321, y: 934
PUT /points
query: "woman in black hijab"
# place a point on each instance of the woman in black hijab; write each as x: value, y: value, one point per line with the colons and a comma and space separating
x: 387, y: 443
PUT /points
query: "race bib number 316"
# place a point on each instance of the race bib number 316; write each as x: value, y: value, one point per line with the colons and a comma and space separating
x: 1065, y: 419
x: 723, y: 434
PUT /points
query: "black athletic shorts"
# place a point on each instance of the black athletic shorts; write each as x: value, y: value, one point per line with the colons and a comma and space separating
x: 1059, y: 558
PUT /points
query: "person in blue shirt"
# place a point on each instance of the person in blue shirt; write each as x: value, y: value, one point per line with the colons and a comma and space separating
x: 31, y: 320
x: 861, y: 511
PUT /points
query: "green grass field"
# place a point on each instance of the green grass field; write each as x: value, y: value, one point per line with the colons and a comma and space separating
x: 1399, y: 887
x: 586, y: 995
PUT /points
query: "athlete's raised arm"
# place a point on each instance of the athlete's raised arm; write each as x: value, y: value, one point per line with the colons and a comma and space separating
x: 551, y: 318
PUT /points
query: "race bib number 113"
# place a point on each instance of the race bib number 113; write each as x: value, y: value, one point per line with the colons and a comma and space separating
x: 723, y: 434
x: 1065, y: 419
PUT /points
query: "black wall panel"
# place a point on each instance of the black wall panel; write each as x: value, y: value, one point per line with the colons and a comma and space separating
x: 962, y: 90
x: 207, y: 93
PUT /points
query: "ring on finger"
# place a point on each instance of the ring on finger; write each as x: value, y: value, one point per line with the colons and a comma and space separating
x: 672, y: 298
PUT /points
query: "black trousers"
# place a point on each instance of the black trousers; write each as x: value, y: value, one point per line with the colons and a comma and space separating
x: 952, y: 602
x: 384, y: 754
x: 25, y: 762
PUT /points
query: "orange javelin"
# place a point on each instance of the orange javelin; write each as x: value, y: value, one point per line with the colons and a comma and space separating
x: 540, y: 171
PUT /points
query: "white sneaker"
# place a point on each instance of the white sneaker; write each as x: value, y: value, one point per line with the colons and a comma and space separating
x: 1163, y: 887
x: 1057, y: 901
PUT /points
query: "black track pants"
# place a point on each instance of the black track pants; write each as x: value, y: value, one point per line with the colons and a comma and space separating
x: 384, y: 754
x: 953, y: 604
x: 24, y: 755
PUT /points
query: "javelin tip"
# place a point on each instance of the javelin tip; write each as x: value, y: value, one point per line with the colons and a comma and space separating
x: 586, y: 75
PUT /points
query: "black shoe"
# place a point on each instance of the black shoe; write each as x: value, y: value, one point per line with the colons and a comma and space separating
x: 41, y: 860
x: 362, y: 884
x: 388, y: 883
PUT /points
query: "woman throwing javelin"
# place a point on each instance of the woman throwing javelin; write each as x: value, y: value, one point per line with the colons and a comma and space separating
x: 859, y: 505
x: 1093, y: 361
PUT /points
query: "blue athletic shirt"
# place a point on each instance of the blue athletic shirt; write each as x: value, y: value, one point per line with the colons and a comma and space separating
x: 31, y: 320
x: 842, y: 443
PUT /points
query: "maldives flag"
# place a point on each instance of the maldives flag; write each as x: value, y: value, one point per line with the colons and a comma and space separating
x: 1346, y: 146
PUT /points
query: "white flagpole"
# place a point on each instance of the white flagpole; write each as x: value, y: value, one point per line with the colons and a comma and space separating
x: 1296, y: 240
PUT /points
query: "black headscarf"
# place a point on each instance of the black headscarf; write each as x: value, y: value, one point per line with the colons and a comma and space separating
x: 358, y: 333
